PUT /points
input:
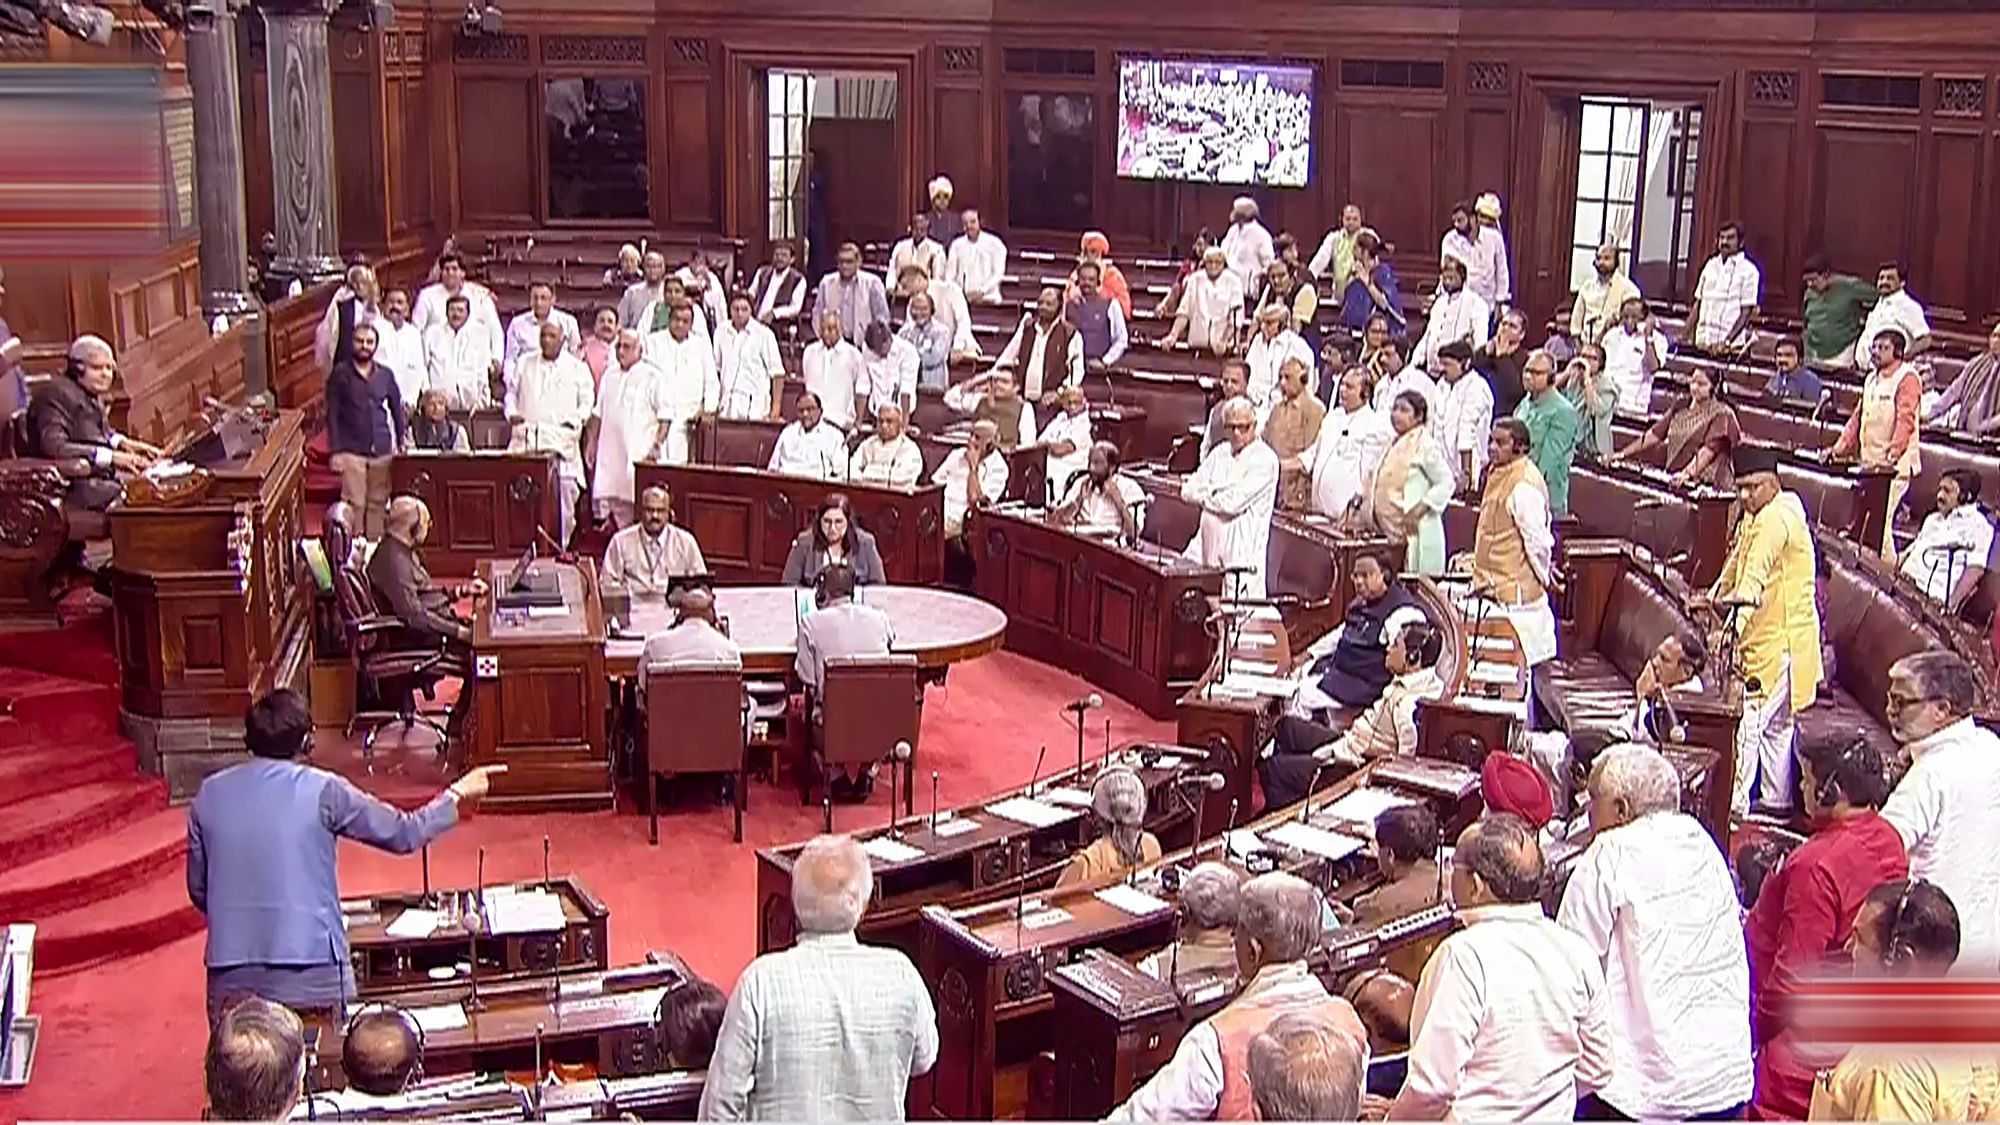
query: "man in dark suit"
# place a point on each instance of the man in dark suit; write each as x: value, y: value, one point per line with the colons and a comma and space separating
x: 67, y: 420
x: 402, y: 588
x: 262, y: 838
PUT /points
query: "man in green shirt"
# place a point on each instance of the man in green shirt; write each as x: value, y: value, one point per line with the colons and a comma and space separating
x: 1836, y: 306
x: 1552, y: 426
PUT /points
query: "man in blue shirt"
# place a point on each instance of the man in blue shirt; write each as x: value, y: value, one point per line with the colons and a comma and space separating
x: 1793, y: 379
x: 365, y: 426
x: 1372, y: 288
x: 262, y: 840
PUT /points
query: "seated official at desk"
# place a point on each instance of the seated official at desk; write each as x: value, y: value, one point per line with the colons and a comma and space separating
x: 834, y: 538
x: 888, y: 456
x: 431, y: 427
x: 965, y: 488
x: 1355, y: 672
x: 402, y: 587
x: 1948, y: 557
x: 839, y: 625
x: 1067, y: 437
x: 67, y: 419
x: 645, y: 557
x: 1302, y: 748
x: 995, y: 397
x: 382, y: 1057
x: 810, y: 446
x: 1118, y: 806
x: 1277, y: 927
x: 1207, y: 945
x: 255, y: 1066
x: 1101, y: 499
x: 695, y: 637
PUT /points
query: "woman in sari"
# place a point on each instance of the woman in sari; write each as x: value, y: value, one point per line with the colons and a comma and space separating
x: 1413, y: 486
x: 1698, y: 436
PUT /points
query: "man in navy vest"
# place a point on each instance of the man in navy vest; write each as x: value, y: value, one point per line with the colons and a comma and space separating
x: 1353, y: 674
x: 1098, y: 319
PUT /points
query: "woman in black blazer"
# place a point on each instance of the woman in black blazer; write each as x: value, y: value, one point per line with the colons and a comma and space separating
x: 834, y: 538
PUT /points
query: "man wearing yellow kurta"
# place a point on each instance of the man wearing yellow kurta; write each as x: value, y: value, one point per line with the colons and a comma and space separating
x: 1883, y: 428
x: 1768, y: 583
x: 1513, y: 550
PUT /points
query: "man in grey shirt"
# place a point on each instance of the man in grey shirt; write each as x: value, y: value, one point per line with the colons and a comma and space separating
x: 839, y: 625
x: 830, y: 1029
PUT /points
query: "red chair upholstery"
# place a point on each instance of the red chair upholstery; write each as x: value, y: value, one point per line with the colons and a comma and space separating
x: 868, y: 704
x: 703, y: 728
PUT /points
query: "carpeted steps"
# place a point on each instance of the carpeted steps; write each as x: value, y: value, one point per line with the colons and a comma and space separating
x: 144, y: 916
x: 38, y: 770
x: 102, y: 867
x: 70, y: 817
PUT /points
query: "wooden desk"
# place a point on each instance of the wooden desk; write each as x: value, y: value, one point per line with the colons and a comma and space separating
x: 1643, y: 504
x: 938, y: 627
x: 994, y: 858
x: 205, y: 592
x: 1129, y: 619
x: 483, y: 505
x: 746, y: 519
x: 538, y: 702
x: 386, y: 965
x: 673, y: 1095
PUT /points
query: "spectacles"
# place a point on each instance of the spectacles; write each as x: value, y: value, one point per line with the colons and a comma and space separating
x: 1239, y: 425
x: 1899, y: 702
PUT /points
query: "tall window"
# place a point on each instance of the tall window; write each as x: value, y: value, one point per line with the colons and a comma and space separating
x: 1637, y: 165
x: 789, y: 99
x: 1607, y: 179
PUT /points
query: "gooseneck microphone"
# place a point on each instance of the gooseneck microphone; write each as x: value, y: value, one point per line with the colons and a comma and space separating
x: 898, y: 755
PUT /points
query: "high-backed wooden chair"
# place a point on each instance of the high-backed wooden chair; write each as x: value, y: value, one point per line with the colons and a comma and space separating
x: 868, y: 704
x: 703, y: 727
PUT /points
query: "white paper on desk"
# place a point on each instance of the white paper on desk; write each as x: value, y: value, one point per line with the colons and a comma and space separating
x: 1064, y: 795
x: 439, y: 1017
x: 1028, y: 811
x: 1486, y: 672
x: 1242, y: 842
x: 956, y: 826
x: 1257, y: 640
x: 547, y: 610
x: 891, y: 851
x: 1132, y: 900
x: 1254, y: 667
x: 1313, y: 841
x: 415, y: 923
x: 1363, y: 805
x: 1265, y: 613
x: 1250, y: 683
x: 1489, y: 643
x: 526, y: 912
x: 1041, y: 919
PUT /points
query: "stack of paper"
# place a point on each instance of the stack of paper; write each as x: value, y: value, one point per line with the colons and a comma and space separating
x: 1250, y: 683
x: 523, y: 912
x: 1028, y: 811
x: 1363, y: 805
x: 415, y: 923
x: 1313, y: 841
x: 890, y: 850
x: 1132, y: 900
x: 439, y: 1017
x: 1041, y: 919
x: 1063, y: 795
x: 1486, y: 672
x: 956, y: 826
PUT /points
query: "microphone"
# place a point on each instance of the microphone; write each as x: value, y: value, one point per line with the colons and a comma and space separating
x: 535, y: 1089
x: 826, y: 806
x: 934, y: 788
x: 1825, y: 400
x: 1305, y: 806
x: 562, y: 554
x: 1226, y: 830
x: 1089, y: 702
x: 479, y: 883
x: 898, y: 754
x: 1035, y: 778
x: 427, y: 875
x: 546, y: 881
x: 1213, y: 782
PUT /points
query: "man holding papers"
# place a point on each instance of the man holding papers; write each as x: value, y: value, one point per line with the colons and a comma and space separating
x: 1303, y: 748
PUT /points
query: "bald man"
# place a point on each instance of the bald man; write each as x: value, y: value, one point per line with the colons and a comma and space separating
x: 695, y: 637
x: 381, y: 1054
x: 974, y: 476
x: 403, y: 588
x: 68, y: 420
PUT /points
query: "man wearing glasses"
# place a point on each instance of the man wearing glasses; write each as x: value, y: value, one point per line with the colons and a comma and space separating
x: 1766, y: 595
x: 1237, y: 489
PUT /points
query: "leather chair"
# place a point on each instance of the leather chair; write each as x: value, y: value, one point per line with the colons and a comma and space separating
x: 40, y: 524
x: 387, y: 665
x: 868, y: 704
x: 704, y: 727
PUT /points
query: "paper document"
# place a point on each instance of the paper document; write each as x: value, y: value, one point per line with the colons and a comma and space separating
x: 891, y: 851
x: 1278, y: 687
x: 1313, y: 841
x: 1072, y: 798
x: 1257, y: 640
x: 1363, y: 805
x: 527, y: 912
x: 439, y: 1017
x: 1132, y: 900
x: 1041, y: 919
x: 1266, y: 613
x: 1485, y: 643
x: 1242, y: 842
x: 547, y: 610
x: 415, y: 923
x: 1486, y: 672
x: 1254, y: 667
x: 1028, y: 811
x: 956, y: 826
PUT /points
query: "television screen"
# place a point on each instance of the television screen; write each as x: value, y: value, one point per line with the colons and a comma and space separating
x: 1214, y: 122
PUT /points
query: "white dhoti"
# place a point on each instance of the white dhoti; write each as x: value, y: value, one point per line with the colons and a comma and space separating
x: 1764, y: 748
x: 676, y: 448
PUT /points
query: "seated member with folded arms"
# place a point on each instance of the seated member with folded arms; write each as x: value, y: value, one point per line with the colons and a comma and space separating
x: 974, y: 475
x: 977, y: 261
x: 834, y: 539
x: 1101, y: 499
x: 1947, y: 559
x: 887, y: 456
x: 995, y: 397
x: 840, y: 625
x: 431, y: 428
x: 643, y: 558
x: 1118, y: 808
x: 778, y: 291
x: 919, y: 252
x: 1067, y: 438
x: 1387, y: 728
x: 810, y: 446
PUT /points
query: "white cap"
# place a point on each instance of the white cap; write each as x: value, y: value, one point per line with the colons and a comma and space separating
x: 940, y: 185
x: 1487, y: 206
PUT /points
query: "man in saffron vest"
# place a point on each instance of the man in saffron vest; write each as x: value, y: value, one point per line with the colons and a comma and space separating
x: 1766, y: 594
x: 1513, y: 551
x: 1277, y: 925
x: 1882, y: 431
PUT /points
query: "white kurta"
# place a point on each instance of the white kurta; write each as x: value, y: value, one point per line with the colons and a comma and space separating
x: 899, y: 463
x: 747, y: 362
x: 459, y: 364
x: 1265, y: 356
x: 1238, y: 493
x: 483, y: 314
x: 819, y: 452
x: 631, y: 407
x: 714, y: 302
x: 401, y: 350
x: 978, y: 265
x: 835, y: 374
x: 687, y: 372
x: 524, y: 335
x: 948, y: 305
x: 1028, y: 368
x: 1463, y: 315
x: 1249, y: 250
x: 892, y: 377
x: 1349, y: 450
x: 1943, y: 810
x: 1068, y: 427
x: 553, y: 399
x: 956, y: 476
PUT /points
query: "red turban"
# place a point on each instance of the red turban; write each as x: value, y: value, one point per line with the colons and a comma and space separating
x: 1511, y: 785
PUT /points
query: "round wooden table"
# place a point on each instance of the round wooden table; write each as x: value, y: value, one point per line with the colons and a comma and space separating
x: 938, y: 627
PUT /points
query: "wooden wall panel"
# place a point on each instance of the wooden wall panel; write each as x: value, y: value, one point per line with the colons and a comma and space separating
x: 1768, y: 159
x: 496, y: 180
x: 1388, y: 160
x: 693, y: 194
x: 958, y: 133
x: 259, y: 202
x: 1868, y: 182
x: 1957, y: 182
x: 359, y: 155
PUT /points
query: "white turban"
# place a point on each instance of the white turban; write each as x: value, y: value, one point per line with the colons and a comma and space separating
x: 1244, y: 203
x: 940, y: 186
x: 1487, y: 207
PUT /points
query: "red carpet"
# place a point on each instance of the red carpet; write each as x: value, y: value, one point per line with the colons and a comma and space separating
x: 94, y: 857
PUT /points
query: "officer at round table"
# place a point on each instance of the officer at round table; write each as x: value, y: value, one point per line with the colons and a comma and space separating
x: 834, y: 538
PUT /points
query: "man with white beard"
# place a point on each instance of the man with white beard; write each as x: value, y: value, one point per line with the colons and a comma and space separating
x: 632, y: 413
x: 1237, y: 489
x: 548, y: 404
x: 747, y: 360
x: 687, y: 371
